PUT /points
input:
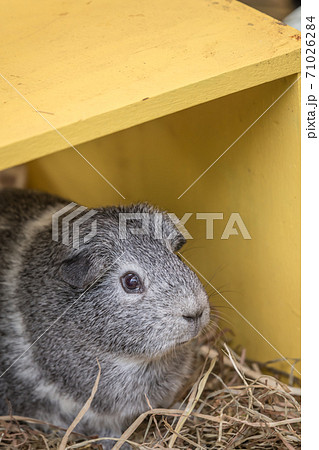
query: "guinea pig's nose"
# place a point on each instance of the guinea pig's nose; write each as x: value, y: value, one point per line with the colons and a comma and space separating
x: 193, y: 317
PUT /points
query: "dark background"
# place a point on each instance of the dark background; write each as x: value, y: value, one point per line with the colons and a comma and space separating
x: 275, y: 8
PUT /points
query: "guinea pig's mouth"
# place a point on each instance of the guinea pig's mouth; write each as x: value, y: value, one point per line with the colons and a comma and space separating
x: 179, y: 344
x: 201, y: 331
x: 187, y: 340
x: 176, y: 343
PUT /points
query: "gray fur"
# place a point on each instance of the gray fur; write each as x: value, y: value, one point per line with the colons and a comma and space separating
x: 140, y: 340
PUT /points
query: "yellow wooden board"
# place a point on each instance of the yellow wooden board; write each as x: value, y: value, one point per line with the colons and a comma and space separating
x: 94, y: 67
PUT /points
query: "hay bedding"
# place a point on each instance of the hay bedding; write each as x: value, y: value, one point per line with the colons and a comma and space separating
x: 231, y: 405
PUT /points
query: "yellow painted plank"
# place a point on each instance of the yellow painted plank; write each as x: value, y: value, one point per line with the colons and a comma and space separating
x: 97, y: 67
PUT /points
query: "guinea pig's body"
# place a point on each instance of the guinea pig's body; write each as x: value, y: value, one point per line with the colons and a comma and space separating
x: 131, y: 304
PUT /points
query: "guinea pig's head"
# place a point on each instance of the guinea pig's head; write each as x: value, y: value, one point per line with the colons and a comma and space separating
x: 136, y: 294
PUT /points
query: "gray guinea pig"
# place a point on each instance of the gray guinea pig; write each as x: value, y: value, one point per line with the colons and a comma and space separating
x: 131, y: 304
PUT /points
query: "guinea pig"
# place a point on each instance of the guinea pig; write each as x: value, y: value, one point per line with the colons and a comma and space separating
x: 129, y: 302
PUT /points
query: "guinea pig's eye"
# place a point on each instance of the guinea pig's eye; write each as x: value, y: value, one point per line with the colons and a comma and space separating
x: 131, y: 283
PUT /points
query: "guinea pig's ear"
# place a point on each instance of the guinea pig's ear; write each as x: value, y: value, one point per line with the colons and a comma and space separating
x: 80, y: 270
x: 173, y: 236
x: 177, y: 242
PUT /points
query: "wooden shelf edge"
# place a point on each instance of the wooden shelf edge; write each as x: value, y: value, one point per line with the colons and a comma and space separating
x: 148, y: 109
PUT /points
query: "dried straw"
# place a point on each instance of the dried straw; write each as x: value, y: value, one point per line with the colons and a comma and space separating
x: 232, y: 405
